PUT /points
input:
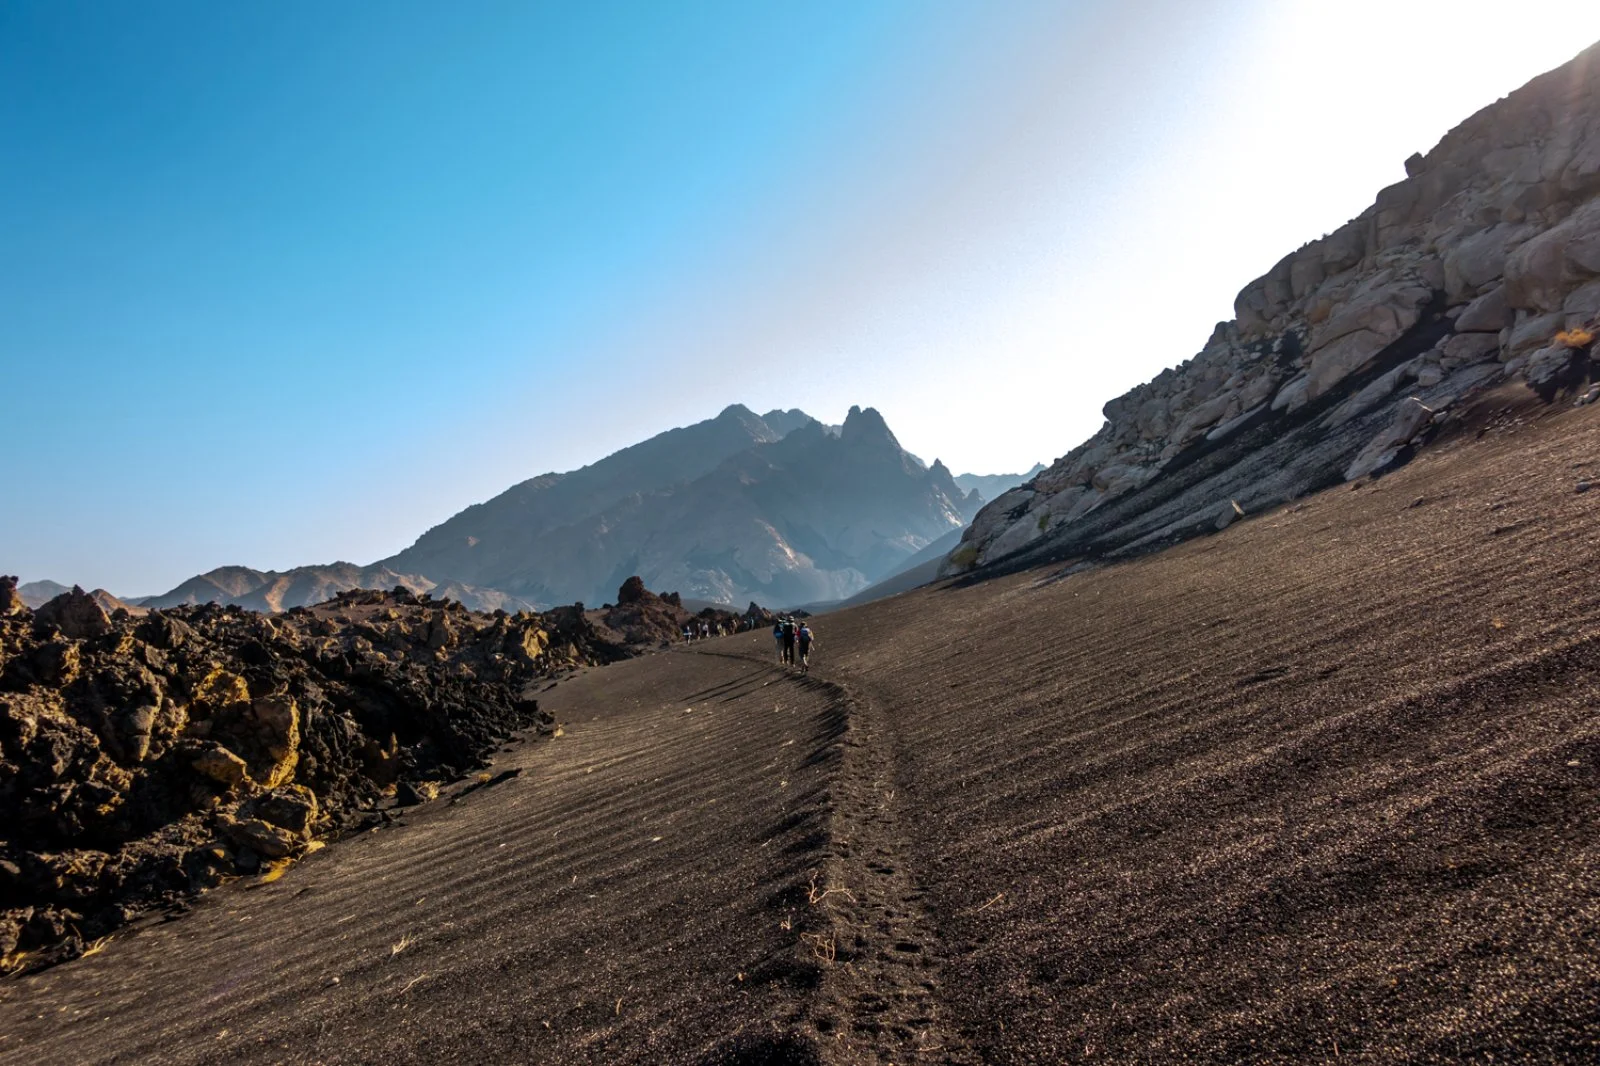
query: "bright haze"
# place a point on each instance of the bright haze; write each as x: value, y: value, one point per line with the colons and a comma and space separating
x: 282, y: 283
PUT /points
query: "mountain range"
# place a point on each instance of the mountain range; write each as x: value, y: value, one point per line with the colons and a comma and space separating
x: 778, y: 508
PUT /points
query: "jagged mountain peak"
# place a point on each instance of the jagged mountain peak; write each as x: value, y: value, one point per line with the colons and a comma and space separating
x: 865, y: 424
x: 784, y: 422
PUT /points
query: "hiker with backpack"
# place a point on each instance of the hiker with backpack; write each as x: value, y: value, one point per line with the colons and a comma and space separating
x: 788, y: 641
x: 806, y: 639
x: 777, y: 639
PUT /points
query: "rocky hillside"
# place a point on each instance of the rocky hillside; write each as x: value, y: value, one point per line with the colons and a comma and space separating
x: 145, y: 757
x: 1482, y: 265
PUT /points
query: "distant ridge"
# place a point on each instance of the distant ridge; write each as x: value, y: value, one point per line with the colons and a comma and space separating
x: 304, y: 586
x: 989, y: 486
x: 774, y: 508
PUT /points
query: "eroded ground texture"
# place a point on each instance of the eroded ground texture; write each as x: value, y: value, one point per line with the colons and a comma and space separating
x: 1322, y: 787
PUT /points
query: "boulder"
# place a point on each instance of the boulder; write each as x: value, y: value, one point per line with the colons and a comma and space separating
x: 10, y: 600
x: 1373, y: 319
x: 1487, y: 314
x: 1531, y: 331
x: 1468, y: 349
x: 1582, y: 305
x: 1553, y: 368
x: 1541, y: 273
x: 1478, y: 260
x: 289, y: 807
x: 1381, y: 451
x: 259, y: 836
x: 222, y: 766
x: 77, y: 614
x: 1375, y: 393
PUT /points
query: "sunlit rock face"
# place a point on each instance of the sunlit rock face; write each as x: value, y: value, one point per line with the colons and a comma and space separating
x: 1482, y: 265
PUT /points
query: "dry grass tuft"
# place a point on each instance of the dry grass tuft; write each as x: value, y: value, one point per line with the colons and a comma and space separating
x: 95, y: 947
x: 814, y: 895
x: 823, y: 948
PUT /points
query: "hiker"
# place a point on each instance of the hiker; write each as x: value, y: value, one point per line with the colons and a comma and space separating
x: 788, y: 641
x: 806, y: 640
x: 777, y: 639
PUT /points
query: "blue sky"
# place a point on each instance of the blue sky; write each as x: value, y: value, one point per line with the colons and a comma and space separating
x: 289, y: 282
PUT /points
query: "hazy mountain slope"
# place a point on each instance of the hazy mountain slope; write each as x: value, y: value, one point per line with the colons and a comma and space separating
x: 811, y: 517
x: 303, y: 586
x: 728, y: 510
x: 990, y: 486
x: 489, y: 540
x: 39, y: 593
x: 1355, y: 350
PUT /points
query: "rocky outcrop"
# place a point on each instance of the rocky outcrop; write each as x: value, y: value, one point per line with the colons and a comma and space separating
x: 1482, y: 265
x: 10, y: 598
x: 145, y: 758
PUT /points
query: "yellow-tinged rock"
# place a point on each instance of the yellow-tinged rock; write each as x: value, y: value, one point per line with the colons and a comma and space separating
x: 261, y: 837
x: 221, y: 766
x: 219, y: 689
x: 278, y: 719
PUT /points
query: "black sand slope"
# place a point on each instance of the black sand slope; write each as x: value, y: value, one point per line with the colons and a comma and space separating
x: 1322, y: 788
x: 619, y: 900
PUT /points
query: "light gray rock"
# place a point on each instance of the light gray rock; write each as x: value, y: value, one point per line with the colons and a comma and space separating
x: 1533, y: 331
x: 1487, y: 314
x: 1582, y: 305
x: 1233, y: 424
x: 1378, y: 391
x: 1541, y: 273
x: 1549, y: 368
x: 1479, y: 260
x: 1376, y: 317
x: 1409, y: 418
x: 1468, y: 349
x: 1293, y: 395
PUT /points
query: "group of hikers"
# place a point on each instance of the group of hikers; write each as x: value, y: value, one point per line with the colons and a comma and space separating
x: 700, y: 629
x: 791, y: 636
x: 794, y: 641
